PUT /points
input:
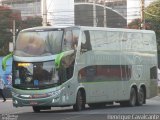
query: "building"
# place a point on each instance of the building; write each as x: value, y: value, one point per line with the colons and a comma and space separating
x: 84, y: 16
x: 129, y: 9
x: 118, y: 5
x: 27, y: 7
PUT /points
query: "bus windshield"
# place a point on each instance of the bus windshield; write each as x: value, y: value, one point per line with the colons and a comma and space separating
x: 39, y: 43
x: 37, y: 75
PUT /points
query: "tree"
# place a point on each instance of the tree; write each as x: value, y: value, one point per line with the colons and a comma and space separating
x: 152, y: 16
x: 152, y: 20
x: 31, y: 22
x: 7, y: 16
x: 135, y: 24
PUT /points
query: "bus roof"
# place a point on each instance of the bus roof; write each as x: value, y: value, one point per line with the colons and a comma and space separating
x: 116, y: 29
x: 45, y: 28
x: 83, y: 28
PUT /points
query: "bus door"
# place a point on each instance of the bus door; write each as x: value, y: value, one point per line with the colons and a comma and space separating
x: 69, y: 46
x: 86, y: 70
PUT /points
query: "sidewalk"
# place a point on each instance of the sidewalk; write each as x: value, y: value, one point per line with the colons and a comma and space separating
x: 7, y: 99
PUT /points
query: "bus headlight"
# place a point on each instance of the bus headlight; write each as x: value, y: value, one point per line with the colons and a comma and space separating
x: 15, y: 101
x: 15, y: 94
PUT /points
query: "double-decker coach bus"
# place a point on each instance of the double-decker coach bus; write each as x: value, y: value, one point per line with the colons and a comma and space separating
x: 65, y: 66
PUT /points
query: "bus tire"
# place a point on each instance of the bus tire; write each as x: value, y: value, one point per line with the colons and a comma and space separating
x: 36, y: 109
x: 133, y: 98
x: 141, y: 97
x: 80, y: 102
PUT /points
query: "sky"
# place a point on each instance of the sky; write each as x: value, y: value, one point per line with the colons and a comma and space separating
x: 56, y: 9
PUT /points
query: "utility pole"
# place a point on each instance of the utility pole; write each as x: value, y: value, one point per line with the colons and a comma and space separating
x: 105, y: 19
x: 142, y: 15
x: 94, y: 14
x: 44, y: 13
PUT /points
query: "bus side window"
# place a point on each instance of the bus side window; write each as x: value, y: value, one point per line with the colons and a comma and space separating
x: 153, y: 72
x: 68, y: 36
x: 70, y: 40
x: 75, y: 39
x: 86, y: 44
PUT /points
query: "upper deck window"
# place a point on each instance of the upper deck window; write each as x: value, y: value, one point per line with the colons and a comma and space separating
x: 39, y: 43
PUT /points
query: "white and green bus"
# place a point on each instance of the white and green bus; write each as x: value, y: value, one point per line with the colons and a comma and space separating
x: 75, y: 66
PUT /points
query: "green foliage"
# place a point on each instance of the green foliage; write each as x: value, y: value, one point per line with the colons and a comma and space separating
x: 152, y: 20
x: 152, y: 12
x: 152, y: 16
x: 135, y: 24
x: 5, y: 34
x: 7, y: 16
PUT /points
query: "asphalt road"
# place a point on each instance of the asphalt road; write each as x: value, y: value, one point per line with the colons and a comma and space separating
x: 149, y: 111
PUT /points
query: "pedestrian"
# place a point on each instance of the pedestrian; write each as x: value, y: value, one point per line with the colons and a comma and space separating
x: 2, y: 88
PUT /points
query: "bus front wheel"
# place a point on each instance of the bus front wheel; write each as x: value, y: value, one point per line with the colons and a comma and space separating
x: 80, y: 102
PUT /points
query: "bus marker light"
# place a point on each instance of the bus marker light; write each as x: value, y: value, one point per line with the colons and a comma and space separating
x: 23, y: 64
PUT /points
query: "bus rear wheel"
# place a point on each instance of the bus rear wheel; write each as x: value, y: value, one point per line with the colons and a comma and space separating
x: 141, y: 97
x: 80, y: 102
x: 36, y: 109
x: 133, y: 98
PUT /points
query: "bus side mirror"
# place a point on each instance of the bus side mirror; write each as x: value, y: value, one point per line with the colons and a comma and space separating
x: 4, y: 61
x: 58, y: 60
x: 65, y: 58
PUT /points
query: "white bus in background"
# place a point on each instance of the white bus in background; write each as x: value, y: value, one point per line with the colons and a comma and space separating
x: 83, y: 65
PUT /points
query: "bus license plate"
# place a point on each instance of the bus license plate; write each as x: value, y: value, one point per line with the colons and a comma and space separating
x: 33, y: 103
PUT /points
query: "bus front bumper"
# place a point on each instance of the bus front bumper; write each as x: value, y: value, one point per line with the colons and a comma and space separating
x: 28, y: 100
x: 36, y: 102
